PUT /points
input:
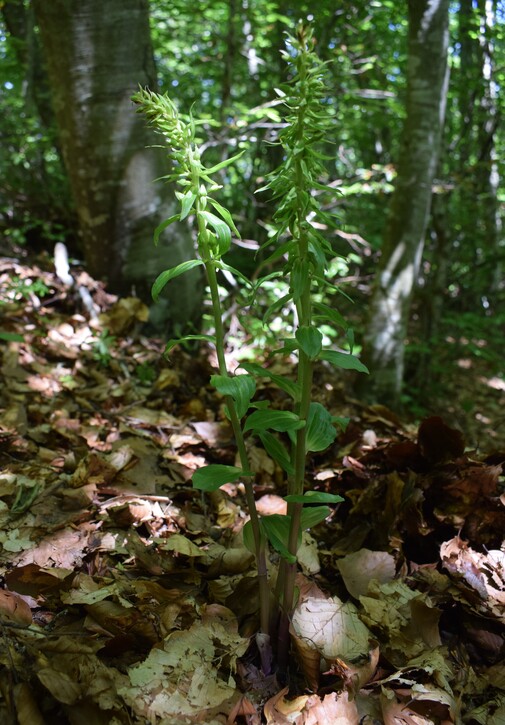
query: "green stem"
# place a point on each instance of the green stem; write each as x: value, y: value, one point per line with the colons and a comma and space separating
x: 264, y: 595
x: 305, y: 374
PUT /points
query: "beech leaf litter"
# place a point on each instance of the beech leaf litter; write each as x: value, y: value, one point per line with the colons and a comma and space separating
x: 128, y: 596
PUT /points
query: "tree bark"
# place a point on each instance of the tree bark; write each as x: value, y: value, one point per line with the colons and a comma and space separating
x: 98, y: 53
x: 427, y: 80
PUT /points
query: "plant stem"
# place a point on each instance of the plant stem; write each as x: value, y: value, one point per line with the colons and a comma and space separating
x: 304, y: 378
x: 264, y: 595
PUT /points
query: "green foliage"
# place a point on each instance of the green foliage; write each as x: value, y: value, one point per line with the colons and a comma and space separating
x: 102, y: 347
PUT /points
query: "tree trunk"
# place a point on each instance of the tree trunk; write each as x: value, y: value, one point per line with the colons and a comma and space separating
x: 98, y: 53
x: 427, y: 80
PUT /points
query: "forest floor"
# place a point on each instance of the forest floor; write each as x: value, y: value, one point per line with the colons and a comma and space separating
x: 129, y: 597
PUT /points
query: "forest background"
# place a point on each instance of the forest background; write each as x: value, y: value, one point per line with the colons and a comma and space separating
x: 74, y: 167
x: 128, y: 595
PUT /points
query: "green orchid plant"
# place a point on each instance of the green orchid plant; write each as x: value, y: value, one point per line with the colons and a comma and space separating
x: 308, y: 426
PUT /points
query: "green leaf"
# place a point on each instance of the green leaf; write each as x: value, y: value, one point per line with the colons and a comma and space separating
x: 310, y: 341
x: 225, y: 214
x: 279, y: 420
x: 210, y: 478
x: 187, y: 201
x: 300, y: 278
x: 314, y: 497
x: 341, y: 422
x: 350, y: 338
x: 276, y: 306
x: 248, y: 537
x: 221, y: 230
x: 276, y: 529
x: 188, y: 338
x: 172, y: 273
x: 241, y: 388
x: 235, y: 272
x: 289, y: 387
x: 343, y: 360
x: 320, y: 429
x: 277, y: 451
x: 328, y: 314
x: 11, y: 337
x: 161, y: 227
x: 313, y: 516
x: 223, y: 164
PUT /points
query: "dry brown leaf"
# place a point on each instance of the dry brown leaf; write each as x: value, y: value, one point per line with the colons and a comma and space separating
x: 13, y: 608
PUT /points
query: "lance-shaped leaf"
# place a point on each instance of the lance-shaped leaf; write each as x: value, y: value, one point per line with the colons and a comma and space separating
x: 320, y: 429
x: 313, y: 516
x: 225, y: 214
x: 310, y: 341
x: 276, y: 529
x: 328, y: 314
x: 210, y: 478
x: 235, y: 272
x: 343, y: 360
x: 169, y: 274
x: 241, y: 388
x: 299, y: 278
x: 187, y: 201
x: 223, y: 164
x: 279, y: 420
x: 314, y: 497
x: 277, y: 451
x: 248, y: 537
x: 161, y: 227
x: 221, y: 230
x: 289, y: 387
x: 276, y: 306
x: 188, y: 338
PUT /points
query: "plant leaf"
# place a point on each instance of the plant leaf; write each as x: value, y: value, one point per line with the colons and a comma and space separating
x: 222, y: 265
x: 241, y: 388
x: 313, y: 516
x: 320, y: 429
x: 310, y: 341
x: 210, y: 478
x: 221, y: 230
x: 279, y: 420
x: 324, y: 312
x: 172, y: 273
x: 289, y: 387
x: 314, y: 497
x: 225, y: 214
x: 161, y: 227
x: 276, y: 529
x: 340, y: 421
x: 11, y: 337
x: 277, y: 451
x: 187, y: 201
x: 188, y: 338
x: 343, y: 360
x: 223, y: 164
x: 248, y: 537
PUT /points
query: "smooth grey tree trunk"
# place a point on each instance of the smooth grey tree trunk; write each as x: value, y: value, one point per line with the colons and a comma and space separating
x: 98, y: 52
x: 427, y: 80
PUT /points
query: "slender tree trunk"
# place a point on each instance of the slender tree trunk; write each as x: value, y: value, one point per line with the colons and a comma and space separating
x: 427, y: 80
x: 488, y: 176
x: 98, y: 53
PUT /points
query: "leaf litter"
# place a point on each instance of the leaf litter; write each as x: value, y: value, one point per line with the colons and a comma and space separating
x: 129, y: 597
